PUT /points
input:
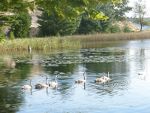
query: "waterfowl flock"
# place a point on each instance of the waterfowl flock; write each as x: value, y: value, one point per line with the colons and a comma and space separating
x: 54, y: 84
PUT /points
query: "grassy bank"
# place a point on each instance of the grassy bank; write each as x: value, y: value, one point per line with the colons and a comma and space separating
x: 39, y: 44
x: 69, y: 42
x: 113, y: 37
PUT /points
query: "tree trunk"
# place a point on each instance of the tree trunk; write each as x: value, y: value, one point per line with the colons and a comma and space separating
x: 141, y: 24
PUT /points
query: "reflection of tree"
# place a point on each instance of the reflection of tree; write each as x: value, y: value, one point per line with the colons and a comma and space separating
x: 9, y: 62
x: 23, y: 70
x: 10, y: 100
x: 142, y: 55
x: 103, y: 67
x: 67, y: 68
x: 10, y: 97
x: 36, y: 68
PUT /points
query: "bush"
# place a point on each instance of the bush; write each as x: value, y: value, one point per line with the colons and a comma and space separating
x: 21, y: 25
x: 126, y: 29
x: 2, y: 37
x: 114, y: 29
x: 53, y: 25
x: 88, y: 26
x: 12, y: 35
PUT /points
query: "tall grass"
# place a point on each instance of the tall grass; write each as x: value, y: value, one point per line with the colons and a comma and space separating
x: 40, y: 44
x: 113, y: 36
x: 68, y: 42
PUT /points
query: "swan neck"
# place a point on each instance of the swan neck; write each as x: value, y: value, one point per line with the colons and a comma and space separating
x: 108, y: 74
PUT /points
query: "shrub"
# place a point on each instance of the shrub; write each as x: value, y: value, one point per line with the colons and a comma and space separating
x: 88, y: 26
x: 114, y: 29
x: 53, y: 25
x: 126, y: 29
x: 2, y: 37
x: 21, y: 25
x: 12, y: 35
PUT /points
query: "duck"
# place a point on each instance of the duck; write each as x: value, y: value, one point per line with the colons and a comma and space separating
x: 103, y: 79
x: 54, y: 84
x: 81, y: 80
x: 42, y: 85
x: 27, y: 86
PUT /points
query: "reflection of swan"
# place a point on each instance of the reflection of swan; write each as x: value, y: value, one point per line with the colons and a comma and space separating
x: 27, y: 86
x: 42, y: 85
x: 54, y: 84
x: 9, y: 62
x: 103, y: 79
x: 81, y: 80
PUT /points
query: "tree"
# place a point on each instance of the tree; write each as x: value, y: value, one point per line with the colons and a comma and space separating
x: 113, y: 12
x: 120, y: 10
x: 140, y: 12
x: 10, y: 8
x: 21, y: 25
x: 15, y: 6
x: 88, y: 26
x: 52, y: 25
x: 73, y: 8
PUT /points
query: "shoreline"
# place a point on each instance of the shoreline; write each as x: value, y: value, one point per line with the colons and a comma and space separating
x: 68, y: 42
x: 113, y: 36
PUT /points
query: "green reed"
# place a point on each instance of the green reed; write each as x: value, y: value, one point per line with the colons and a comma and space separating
x: 67, y: 42
x: 43, y: 44
x: 113, y: 36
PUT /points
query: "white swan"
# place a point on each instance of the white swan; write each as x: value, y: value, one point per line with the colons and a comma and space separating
x: 27, y: 86
x: 81, y: 80
x: 42, y: 85
x: 53, y: 84
x: 103, y: 79
x: 107, y: 78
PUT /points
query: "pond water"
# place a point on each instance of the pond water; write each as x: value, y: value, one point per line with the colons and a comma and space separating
x: 126, y: 92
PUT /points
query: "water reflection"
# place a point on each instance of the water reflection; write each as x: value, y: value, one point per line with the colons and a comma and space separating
x: 123, y: 93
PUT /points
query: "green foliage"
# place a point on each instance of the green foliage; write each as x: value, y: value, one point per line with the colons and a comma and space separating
x: 114, y: 29
x: 21, y: 25
x: 16, y: 6
x: 12, y: 37
x: 52, y: 25
x: 2, y: 37
x: 126, y: 29
x: 45, y: 44
x: 73, y: 8
x: 120, y: 9
x: 88, y: 26
x: 116, y: 13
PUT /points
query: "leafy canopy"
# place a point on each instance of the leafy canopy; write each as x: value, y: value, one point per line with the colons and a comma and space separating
x: 74, y: 8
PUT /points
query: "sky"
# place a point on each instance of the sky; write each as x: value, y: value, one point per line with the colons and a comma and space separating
x: 132, y: 4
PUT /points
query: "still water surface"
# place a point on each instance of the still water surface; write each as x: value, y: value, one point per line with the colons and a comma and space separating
x: 127, y: 92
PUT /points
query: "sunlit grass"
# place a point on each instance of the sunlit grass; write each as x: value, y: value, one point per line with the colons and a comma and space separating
x: 39, y: 44
x: 113, y: 36
x: 67, y: 42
